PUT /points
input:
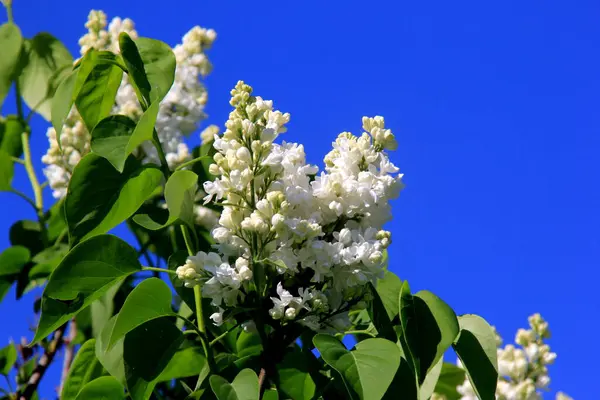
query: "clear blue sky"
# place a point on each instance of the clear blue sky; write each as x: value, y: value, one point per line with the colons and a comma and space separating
x: 496, y: 107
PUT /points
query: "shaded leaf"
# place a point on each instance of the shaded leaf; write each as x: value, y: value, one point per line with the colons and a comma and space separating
x: 143, y: 366
x: 111, y: 360
x: 117, y: 136
x: 388, y: 289
x: 244, y: 386
x: 295, y: 380
x: 84, y: 275
x: 450, y: 377
x: 13, y: 259
x: 428, y: 385
x: 180, y: 192
x: 11, y: 42
x: 96, y: 97
x: 84, y: 368
x: 44, y: 59
x: 8, y: 357
x: 476, y: 349
x: 99, y: 197
x: 149, y: 300
x: 368, y: 370
x: 379, y: 316
x: 151, y: 66
x: 103, y: 388
x: 429, y: 327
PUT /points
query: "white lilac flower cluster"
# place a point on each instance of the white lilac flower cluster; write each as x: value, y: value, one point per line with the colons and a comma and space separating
x: 179, y: 114
x: 523, y: 371
x: 319, y: 234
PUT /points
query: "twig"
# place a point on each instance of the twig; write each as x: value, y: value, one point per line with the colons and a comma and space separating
x: 42, y: 365
x: 69, y: 352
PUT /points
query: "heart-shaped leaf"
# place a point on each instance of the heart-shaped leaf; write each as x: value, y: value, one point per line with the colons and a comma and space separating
x: 142, y: 366
x: 476, y: 349
x: 388, y: 289
x: 13, y: 259
x: 84, y: 368
x: 368, y: 370
x: 99, y: 197
x: 295, y: 380
x: 84, y: 275
x: 96, y: 97
x: 45, y: 59
x: 429, y: 328
x: 111, y: 360
x: 11, y: 42
x: 8, y: 356
x: 450, y: 377
x: 380, y: 317
x: 103, y: 388
x: 244, y: 386
x: 117, y: 136
x: 151, y: 67
x: 180, y: 192
x: 149, y: 300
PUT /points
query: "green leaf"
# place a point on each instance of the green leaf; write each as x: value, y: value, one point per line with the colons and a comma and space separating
x: 186, y: 362
x: 428, y: 385
x: 151, y: 66
x: 11, y: 42
x: 13, y: 259
x: 379, y: 316
x: 248, y: 344
x: 180, y: 192
x: 368, y: 370
x: 476, y: 349
x: 388, y: 289
x: 96, y: 97
x: 111, y: 360
x: 44, y: 59
x: 28, y: 234
x: 84, y: 275
x: 117, y: 136
x: 149, y: 300
x: 271, y: 394
x: 295, y: 380
x: 244, y: 386
x: 142, y: 366
x: 102, y: 309
x: 429, y: 327
x: 10, y: 146
x: 11, y: 129
x: 99, y: 197
x: 8, y: 357
x: 450, y: 377
x: 103, y: 388
x: 84, y: 368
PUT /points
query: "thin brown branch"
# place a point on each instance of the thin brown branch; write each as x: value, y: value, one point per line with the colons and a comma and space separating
x: 40, y: 369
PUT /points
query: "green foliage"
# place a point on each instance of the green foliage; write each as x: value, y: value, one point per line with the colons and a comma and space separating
x: 103, y: 388
x: 84, y: 368
x: 84, y: 275
x: 11, y: 43
x: 129, y: 325
x: 93, y: 209
x: 244, y: 386
x: 429, y: 328
x: 180, y: 192
x: 476, y: 348
x: 8, y: 356
x: 368, y: 370
x: 149, y: 300
x: 450, y: 377
x: 45, y: 61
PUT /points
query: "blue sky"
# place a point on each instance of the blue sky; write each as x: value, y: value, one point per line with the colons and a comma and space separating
x: 496, y: 107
